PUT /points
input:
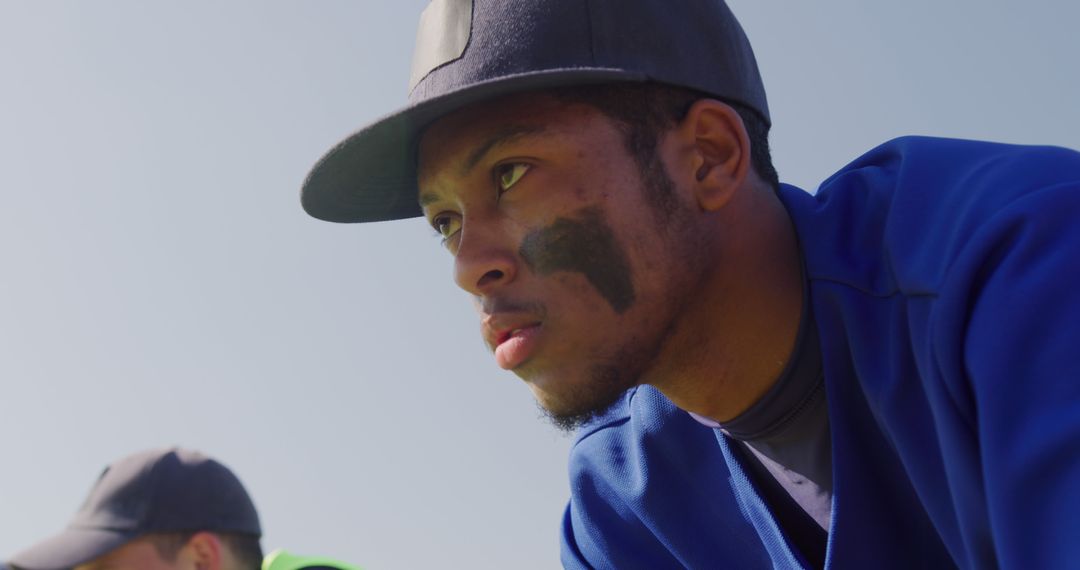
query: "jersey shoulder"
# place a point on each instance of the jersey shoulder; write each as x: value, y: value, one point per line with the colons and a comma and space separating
x: 650, y: 488
x: 895, y: 219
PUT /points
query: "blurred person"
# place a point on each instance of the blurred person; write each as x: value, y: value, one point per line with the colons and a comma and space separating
x: 162, y: 509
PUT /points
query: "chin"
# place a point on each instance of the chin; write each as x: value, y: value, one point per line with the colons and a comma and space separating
x: 569, y: 405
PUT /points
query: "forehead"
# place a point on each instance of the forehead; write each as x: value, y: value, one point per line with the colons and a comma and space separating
x: 452, y: 138
x: 138, y: 554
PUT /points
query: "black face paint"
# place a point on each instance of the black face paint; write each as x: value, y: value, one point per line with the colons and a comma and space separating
x: 587, y: 246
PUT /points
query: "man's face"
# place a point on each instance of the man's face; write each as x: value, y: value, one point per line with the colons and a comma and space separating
x: 576, y: 275
x: 135, y: 555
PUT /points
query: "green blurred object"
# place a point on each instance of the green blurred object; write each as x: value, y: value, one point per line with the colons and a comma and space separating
x: 282, y: 560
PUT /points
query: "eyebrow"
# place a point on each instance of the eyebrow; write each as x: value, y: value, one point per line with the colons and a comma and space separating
x: 502, y: 137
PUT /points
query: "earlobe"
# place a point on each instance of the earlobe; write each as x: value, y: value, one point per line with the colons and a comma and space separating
x: 722, y: 152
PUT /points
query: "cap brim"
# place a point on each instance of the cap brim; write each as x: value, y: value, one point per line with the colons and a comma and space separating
x: 70, y: 548
x: 371, y: 175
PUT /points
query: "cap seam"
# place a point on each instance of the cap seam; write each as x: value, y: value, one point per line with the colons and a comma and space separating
x: 589, y: 27
x: 148, y: 515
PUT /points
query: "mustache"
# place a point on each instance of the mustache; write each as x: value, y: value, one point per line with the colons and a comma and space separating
x: 491, y: 306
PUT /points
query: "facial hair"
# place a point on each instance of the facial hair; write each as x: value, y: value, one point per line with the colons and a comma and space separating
x: 605, y: 387
x: 609, y: 272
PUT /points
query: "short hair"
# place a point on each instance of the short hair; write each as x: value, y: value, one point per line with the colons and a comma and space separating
x: 245, y: 548
x: 645, y: 110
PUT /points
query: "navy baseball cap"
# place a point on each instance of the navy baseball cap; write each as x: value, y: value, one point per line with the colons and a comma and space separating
x: 163, y: 490
x: 469, y: 51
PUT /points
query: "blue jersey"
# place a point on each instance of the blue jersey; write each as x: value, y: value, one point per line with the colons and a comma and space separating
x: 944, y: 278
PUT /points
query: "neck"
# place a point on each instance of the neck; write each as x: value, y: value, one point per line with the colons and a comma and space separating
x: 733, y: 342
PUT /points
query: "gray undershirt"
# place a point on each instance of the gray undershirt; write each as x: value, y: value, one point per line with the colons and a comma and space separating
x: 788, y: 428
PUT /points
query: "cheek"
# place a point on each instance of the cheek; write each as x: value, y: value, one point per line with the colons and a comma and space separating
x: 580, y: 194
x: 576, y: 294
x: 586, y: 246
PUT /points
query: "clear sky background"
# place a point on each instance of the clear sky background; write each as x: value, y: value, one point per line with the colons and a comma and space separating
x: 160, y: 284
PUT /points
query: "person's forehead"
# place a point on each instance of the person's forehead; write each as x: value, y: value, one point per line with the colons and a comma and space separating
x: 456, y: 138
x: 137, y: 553
x: 531, y: 110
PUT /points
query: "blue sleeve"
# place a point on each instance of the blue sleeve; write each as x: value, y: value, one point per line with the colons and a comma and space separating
x: 1021, y: 353
x: 600, y: 526
x: 597, y: 535
x: 651, y: 489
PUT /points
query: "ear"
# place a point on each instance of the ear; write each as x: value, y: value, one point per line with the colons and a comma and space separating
x: 202, y: 552
x: 719, y: 152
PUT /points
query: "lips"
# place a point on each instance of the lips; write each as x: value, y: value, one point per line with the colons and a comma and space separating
x: 514, y: 346
x: 511, y: 332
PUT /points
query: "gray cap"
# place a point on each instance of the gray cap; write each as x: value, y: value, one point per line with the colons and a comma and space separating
x: 163, y: 490
x: 472, y: 50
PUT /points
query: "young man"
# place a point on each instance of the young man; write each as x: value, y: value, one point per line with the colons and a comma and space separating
x: 164, y: 509
x: 881, y: 374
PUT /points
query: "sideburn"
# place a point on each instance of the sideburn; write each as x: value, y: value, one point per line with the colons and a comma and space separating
x: 584, y: 245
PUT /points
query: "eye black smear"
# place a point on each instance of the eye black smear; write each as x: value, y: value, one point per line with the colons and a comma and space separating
x: 585, y: 246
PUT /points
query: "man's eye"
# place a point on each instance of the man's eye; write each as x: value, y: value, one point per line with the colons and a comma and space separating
x: 446, y: 225
x: 509, y: 174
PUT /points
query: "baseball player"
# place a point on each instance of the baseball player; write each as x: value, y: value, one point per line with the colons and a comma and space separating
x: 881, y: 374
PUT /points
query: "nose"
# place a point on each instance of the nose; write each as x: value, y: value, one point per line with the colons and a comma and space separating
x: 484, y: 260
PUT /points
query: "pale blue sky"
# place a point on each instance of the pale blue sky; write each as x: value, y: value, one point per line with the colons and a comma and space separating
x: 161, y: 284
